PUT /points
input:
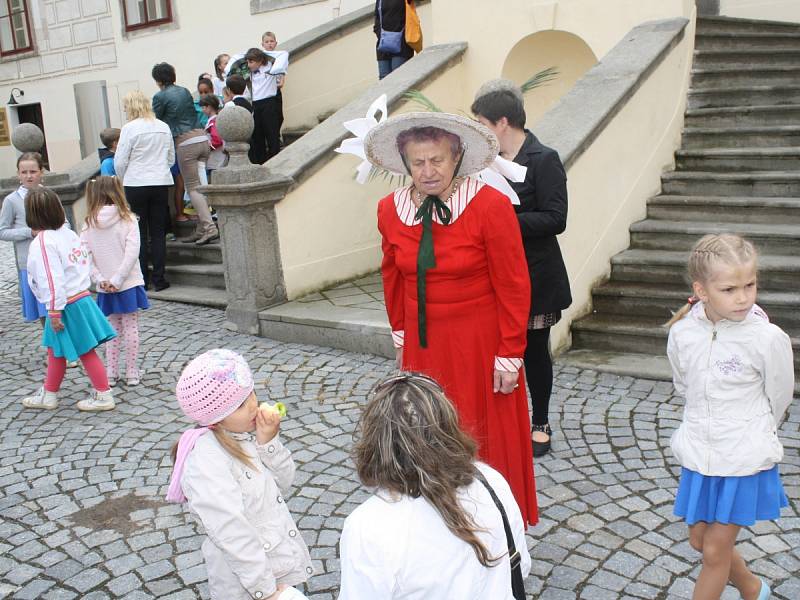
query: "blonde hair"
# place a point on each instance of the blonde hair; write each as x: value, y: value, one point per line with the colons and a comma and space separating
x: 708, y: 254
x: 106, y: 191
x: 230, y: 445
x: 408, y: 442
x: 137, y: 106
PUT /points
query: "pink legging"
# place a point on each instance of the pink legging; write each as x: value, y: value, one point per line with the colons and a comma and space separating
x: 57, y: 366
x: 127, y: 327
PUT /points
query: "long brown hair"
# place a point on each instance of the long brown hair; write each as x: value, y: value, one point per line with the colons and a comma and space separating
x: 709, y: 251
x: 408, y: 442
x: 43, y: 210
x: 105, y: 191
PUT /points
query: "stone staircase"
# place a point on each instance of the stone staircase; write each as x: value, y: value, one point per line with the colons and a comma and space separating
x: 738, y: 170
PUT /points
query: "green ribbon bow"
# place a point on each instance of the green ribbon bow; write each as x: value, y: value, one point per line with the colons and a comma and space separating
x: 425, y: 255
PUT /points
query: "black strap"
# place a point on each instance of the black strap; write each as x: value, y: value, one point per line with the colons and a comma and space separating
x: 517, y: 584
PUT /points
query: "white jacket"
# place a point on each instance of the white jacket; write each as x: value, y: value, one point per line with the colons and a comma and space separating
x: 253, y: 543
x: 145, y: 153
x: 59, y: 267
x: 400, y: 548
x: 738, y: 380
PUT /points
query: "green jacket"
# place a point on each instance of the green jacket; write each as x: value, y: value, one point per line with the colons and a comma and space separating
x: 175, y: 106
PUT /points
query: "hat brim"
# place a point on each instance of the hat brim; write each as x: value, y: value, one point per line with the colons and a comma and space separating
x: 478, y: 142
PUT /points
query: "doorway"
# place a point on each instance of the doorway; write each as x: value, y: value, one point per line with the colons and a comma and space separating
x: 32, y: 113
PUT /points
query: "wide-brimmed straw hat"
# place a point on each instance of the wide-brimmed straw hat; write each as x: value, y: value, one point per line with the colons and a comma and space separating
x: 478, y: 142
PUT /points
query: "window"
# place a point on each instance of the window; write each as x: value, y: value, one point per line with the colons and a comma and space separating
x: 15, y: 29
x: 145, y: 13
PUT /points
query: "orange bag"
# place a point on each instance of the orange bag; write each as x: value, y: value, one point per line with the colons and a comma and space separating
x: 413, y: 27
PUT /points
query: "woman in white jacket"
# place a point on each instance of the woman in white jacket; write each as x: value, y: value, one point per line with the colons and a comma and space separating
x: 736, y: 372
x: 234, y: 481
x: 432, y: 528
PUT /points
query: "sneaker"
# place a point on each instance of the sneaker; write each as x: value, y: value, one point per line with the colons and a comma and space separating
x: 765, y: 592
x: 112, y: 381
x: 42, y: 399
x: 132, y: 381
x: 171, y: 237
x: 72, y: 364
x: 98, y: 401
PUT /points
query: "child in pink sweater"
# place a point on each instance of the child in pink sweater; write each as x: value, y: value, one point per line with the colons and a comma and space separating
x: 112, y: 235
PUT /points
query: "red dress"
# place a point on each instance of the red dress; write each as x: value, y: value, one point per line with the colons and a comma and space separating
x: 478, y: 298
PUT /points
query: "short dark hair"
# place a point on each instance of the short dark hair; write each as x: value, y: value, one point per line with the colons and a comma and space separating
x: 163, y: 73
x: 205, y: 81
x: 209, y: 100
x: 256, y: 54
x: 43, y: 209
x: 108, y: 136
x: 236, y: 84
x: 498, y: 104
x: 31, y: 156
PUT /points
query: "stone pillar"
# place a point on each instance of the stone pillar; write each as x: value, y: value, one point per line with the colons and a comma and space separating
x: 244, y: 196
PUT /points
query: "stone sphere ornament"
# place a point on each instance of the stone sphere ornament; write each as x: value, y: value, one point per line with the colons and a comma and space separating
x: 27, y: 137
x: 235, y: 124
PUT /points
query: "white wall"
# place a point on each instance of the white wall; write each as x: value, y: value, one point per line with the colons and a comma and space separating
x: 770, y: 10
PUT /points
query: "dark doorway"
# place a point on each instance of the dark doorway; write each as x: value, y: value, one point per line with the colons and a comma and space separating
x: 32, y: 113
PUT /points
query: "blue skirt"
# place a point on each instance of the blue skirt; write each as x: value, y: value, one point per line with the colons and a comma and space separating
x: 126, y: 301
x: 85, y: 328
x: 730, y: 500
x: 32, y: 309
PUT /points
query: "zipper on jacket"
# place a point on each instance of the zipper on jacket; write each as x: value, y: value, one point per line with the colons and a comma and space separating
x: 708, y: 401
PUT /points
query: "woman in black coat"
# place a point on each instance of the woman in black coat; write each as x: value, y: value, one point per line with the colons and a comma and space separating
x: 393, y: 17
x: 542, y: 214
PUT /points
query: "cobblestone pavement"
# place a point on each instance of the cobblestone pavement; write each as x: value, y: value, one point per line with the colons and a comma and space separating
x: 81, y: 496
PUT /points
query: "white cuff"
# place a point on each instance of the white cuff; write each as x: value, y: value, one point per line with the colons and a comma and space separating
x: 399, y: 338
x: 509, y: 365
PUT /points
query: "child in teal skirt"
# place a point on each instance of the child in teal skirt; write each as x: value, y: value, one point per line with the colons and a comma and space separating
x: 736, y: 372
x: 59, y: 268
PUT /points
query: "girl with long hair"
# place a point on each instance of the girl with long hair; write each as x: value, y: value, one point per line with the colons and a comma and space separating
x: 431, y: 528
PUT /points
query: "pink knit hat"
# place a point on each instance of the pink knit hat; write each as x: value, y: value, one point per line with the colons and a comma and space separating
x: 213, y: 385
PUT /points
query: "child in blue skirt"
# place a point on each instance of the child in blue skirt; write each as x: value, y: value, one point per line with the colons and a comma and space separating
x: 111, y: 234
x: 58, y: 274
x: 13, y: 228
x: 736, y: 372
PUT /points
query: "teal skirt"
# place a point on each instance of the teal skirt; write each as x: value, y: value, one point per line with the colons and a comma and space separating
x: 85, y: 328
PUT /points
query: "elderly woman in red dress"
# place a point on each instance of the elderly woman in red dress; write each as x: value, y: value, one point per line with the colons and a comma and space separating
x: 456, y: 282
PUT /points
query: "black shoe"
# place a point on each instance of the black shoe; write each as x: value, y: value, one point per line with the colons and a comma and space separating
x: 161, y: 285
x: 542, y: 448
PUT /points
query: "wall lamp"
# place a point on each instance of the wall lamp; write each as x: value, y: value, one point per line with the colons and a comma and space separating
x: 13, y: 100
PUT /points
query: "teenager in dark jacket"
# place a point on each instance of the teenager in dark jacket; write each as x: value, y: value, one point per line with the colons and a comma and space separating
x: 393, y: 15
x: 542, y: 215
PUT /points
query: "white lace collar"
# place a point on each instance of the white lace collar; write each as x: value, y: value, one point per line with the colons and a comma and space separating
x: 458, y: 203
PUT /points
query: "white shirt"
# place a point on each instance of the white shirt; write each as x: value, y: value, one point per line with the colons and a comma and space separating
x: 402, y: 550
x: 738, y: 381
x: 265, y: 79
x: 59, y: 267
x: 145, y: 153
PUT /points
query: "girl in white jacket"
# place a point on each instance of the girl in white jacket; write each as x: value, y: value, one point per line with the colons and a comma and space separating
x: 235, y: 481
x: 58, y: 274
x: 736, y: 372
x: 111, y: 233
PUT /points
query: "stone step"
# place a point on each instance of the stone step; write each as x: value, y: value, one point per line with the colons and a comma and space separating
x: 196, y: 275
x: 188, y: 294
x: 178, y: 252
x: 637, y: 335
x: 738, y: 159
x: 668, y: 267
x: 711, y: 59
x: 744, y: 116
x: 659, y: 302
x: 701, y: 183
x: 745, y: 95
x: 747, y: 40
x: 657, y: 234
x: 733, y: 25
x: 728, y: 209
x: 743, y: 76
x: 759, y: 136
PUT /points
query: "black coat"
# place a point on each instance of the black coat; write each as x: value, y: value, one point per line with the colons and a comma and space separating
x: 394, y: 19
x: 542, y: 214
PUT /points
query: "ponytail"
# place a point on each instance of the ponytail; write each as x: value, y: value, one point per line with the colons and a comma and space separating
x: 681, y: 312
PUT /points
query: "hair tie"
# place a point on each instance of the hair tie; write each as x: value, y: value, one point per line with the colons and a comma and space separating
x: 692, y: 300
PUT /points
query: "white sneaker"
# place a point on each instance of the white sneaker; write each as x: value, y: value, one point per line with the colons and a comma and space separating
x: 132, y: 381
x: 42, y: 399
x: 72, y: 364
x: 112, y: 381
x: 98, y: 401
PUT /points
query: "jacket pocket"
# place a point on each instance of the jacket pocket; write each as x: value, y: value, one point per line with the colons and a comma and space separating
x: 279, y: 551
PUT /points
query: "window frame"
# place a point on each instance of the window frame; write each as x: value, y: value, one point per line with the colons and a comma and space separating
x: 26, y: 14
x: 146, y: 23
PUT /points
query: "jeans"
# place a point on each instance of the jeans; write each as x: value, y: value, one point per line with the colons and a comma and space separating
x: 150, y: 205
x: 387, y: 66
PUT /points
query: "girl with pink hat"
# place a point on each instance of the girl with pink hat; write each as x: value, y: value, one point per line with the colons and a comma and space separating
x: 234, y: 481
